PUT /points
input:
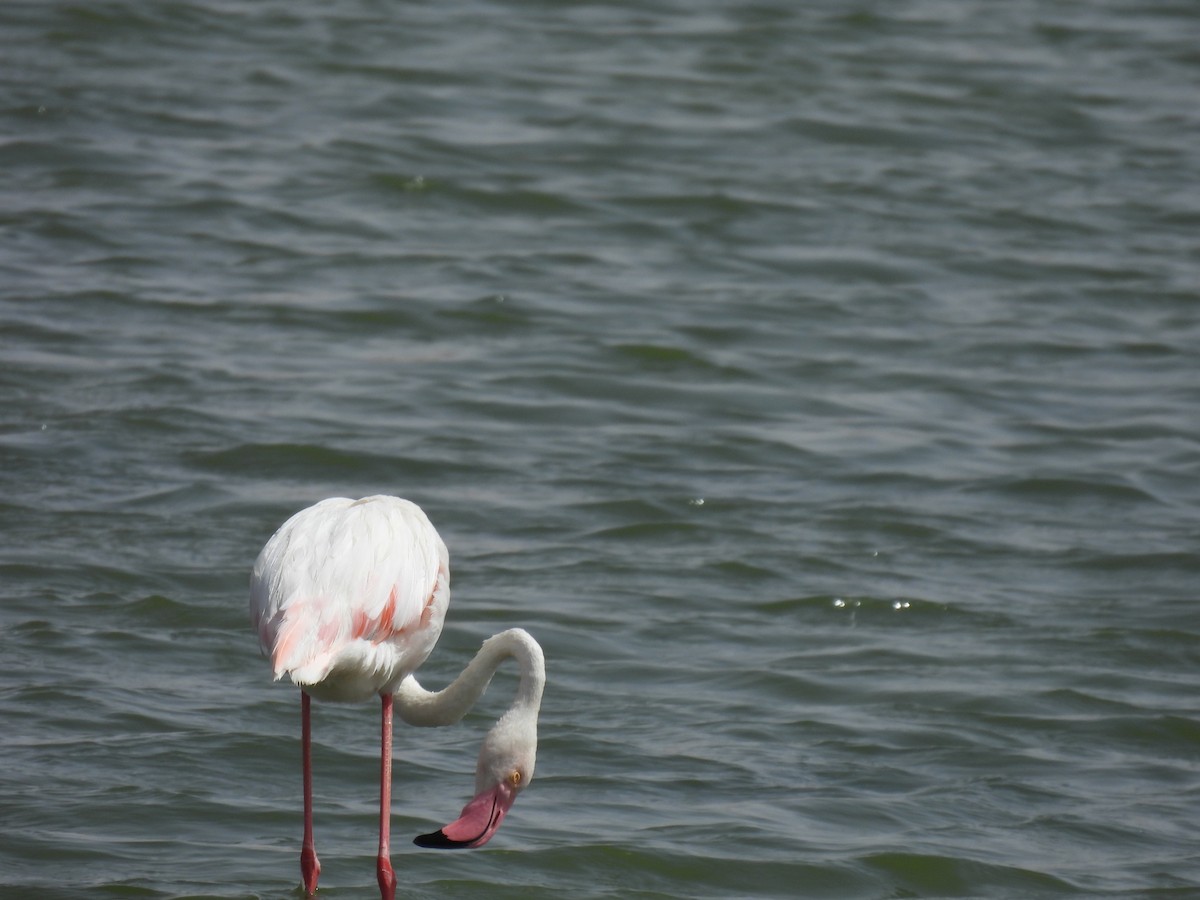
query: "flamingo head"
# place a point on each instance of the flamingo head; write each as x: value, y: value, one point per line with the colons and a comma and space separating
x: 505, y: 768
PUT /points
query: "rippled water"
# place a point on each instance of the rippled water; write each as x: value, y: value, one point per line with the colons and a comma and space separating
x: 817, y: 382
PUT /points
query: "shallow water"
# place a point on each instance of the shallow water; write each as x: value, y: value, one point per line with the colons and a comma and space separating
x: 817, y: 385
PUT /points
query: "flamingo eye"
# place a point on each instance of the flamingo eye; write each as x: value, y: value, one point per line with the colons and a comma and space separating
x: 515, y: 778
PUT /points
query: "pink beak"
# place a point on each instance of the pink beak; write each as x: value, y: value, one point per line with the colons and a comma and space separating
x: 478, y: 822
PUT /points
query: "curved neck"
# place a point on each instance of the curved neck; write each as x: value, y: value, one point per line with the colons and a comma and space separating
x: 420, y: 707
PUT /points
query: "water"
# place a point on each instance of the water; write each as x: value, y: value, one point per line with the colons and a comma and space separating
x: 816, y: 382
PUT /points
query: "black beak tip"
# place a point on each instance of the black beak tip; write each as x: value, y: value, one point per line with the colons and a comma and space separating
x: 437, y: 840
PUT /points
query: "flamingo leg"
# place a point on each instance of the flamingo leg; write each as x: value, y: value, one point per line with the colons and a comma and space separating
x: 310, y: 866
x: 387, y: 878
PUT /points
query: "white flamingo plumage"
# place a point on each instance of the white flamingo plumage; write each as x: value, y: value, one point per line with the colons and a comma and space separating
x: 348, y: 599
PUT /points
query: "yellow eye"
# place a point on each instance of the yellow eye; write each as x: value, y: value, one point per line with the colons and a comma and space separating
x: 514, y: 779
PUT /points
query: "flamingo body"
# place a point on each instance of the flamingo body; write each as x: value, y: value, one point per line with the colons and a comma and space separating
x: 348, y: 598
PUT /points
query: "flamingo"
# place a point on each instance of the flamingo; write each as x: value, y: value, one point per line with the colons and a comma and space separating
x: 348, y: 599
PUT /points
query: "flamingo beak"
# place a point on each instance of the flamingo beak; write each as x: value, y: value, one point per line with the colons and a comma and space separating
x: 478, y: 822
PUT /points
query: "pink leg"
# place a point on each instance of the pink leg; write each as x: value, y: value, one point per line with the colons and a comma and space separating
x: 387, y: 878
x: 310, y: 866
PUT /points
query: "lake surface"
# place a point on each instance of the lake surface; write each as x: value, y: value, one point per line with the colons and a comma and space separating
x: 819, y: 383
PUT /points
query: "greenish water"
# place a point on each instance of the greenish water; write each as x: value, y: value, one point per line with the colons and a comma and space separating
x: 818, y: 384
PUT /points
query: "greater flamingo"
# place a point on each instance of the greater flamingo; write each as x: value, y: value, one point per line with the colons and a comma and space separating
x: 348, y: 598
